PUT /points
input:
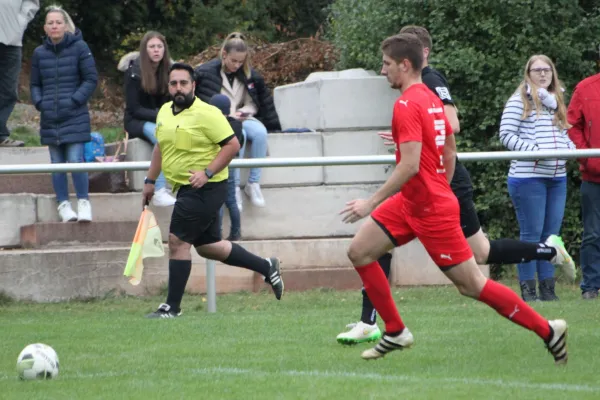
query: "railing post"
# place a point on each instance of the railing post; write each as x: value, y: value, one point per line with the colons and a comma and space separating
x: 211, y: 286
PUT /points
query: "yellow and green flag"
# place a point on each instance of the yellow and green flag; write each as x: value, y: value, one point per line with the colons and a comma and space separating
x: 147, y: 242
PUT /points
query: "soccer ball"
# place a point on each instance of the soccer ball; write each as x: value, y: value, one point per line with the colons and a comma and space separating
x: 37, y: 361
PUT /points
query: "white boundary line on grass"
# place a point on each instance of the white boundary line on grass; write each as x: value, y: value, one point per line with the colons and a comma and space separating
x: 350, y: 375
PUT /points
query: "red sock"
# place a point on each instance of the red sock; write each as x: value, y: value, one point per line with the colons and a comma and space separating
x: 378, y: 289
x: 509, y: 304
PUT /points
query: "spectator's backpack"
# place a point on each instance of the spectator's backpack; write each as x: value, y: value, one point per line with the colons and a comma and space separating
x: 94, y: 148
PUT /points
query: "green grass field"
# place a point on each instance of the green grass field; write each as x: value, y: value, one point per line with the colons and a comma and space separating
x: 257, y: 348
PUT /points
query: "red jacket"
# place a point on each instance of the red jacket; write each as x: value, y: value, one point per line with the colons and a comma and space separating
x: 584, y: 115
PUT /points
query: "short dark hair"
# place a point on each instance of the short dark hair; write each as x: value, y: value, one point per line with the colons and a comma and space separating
x: 421, y: 32
x: 404, y: 46
x: 183, y: 66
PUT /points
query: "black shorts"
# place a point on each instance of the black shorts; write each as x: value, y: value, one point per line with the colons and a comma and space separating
x: 195, y: 218
x: 469, y: 221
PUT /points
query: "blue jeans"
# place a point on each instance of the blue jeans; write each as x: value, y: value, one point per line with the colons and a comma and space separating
x: 255, y: 132
x: 10, y: 65
x: 231, y: 204
x: 590, y: 243
x: 69, y: 153
x: 540, y: 207
x: 150, y: 134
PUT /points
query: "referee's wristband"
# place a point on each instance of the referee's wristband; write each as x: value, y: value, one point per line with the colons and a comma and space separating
x: 148, y: 181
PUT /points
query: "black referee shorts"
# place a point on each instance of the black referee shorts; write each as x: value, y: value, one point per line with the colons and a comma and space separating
x: 195, y: 218
x: 469, y: 221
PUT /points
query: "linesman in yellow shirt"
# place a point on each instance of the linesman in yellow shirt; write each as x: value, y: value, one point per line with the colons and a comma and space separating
x: 195, y: 146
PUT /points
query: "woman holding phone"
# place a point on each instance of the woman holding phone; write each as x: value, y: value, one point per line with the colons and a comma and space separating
x: 251, y: 103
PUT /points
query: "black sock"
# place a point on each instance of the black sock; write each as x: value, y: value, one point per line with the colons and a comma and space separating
x: 511, y: 251
x: 179, y: 273
x: 240, y: 257
x: 369, y: 315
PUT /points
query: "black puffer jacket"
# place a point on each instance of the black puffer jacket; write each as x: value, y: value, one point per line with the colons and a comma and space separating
x: 209, y: 83
x: 140, y: 107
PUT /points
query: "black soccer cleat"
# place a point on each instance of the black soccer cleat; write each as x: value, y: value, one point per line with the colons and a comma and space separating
x: 274, y: 277
x: 164, y: 311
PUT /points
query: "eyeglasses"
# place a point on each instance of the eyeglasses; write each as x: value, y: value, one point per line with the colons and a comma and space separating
x: 538, y: 71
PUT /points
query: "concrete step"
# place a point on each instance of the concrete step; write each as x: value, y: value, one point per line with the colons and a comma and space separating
x: 88, y: 272
x: 300, y: 212
x: 29, y: 183
x: 55, y: 233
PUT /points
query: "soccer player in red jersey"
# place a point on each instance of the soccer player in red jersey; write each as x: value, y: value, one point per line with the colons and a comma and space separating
x: 417, y: 202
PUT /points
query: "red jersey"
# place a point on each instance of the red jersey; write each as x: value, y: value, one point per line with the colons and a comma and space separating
x: 419, y: 117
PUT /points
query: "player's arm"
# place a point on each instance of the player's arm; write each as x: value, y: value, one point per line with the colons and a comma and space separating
x: 155, y: 163
x: 407, y: 168
x: 229, y: 148
x: 449, y: 157
x: 452, y: 115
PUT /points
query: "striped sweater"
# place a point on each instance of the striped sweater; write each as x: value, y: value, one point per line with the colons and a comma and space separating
x: 533, y: 133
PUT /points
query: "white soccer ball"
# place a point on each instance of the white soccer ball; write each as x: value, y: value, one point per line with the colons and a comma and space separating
x: 37, y: 361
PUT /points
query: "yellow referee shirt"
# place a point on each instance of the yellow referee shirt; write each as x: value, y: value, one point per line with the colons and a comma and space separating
x: 190, y: 140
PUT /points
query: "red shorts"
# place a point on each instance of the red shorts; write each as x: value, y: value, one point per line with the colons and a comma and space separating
x: 438, y: 229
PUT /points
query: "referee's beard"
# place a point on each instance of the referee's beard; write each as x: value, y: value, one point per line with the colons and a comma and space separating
x: 182, y: 100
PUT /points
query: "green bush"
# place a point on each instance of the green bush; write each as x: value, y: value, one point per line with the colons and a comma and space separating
x: 190, y: 26
x: 481, y: 46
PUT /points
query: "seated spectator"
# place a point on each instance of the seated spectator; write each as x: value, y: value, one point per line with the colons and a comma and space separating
x: 251, y: 103
x: 235, y: 233
x: 535, y: 119
x: 584, y: 115
x: 146, y: 90
x: 63, y: 79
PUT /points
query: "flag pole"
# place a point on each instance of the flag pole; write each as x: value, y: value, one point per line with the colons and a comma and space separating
x: 211, y: 286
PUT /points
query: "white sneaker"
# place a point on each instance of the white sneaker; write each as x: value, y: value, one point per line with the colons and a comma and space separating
x: 253, y: 191
x: 359, y: 333
x: 557, y: 345
x: 562, y: 258
x: 84, y: 210
x: 65, y: 212
x: 388, y: 344
x: 162, y: 198
x: 238, y: 198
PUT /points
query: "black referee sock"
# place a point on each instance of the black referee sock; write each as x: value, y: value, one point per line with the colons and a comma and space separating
x: 240, y: 257
x: 511, y: 251
x: 179, y: 273
x: 369, y: 315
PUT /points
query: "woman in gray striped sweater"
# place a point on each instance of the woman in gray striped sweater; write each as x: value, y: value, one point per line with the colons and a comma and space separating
x: 534, y: 119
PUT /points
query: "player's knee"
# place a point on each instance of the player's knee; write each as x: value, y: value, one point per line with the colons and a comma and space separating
x: 356, y: 255
x: 481, y: 256
x: 176, y: 244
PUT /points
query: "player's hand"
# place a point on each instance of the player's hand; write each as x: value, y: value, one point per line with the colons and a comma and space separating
x: 147, y: 194
x: 388, y: 140
x: 198, y: 179
x: 356, y: 210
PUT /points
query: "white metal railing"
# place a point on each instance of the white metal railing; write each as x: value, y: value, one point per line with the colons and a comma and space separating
x: 289, y: 162
x: 299, y: 161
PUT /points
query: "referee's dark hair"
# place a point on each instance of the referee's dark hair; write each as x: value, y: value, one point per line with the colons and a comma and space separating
x: 183, y: 66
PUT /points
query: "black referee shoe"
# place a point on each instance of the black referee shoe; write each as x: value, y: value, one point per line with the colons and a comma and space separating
x: 274, y: 277
x: 164, y: 311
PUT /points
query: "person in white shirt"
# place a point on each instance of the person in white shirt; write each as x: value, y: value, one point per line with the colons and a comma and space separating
x: 15, y: 15
x: 534, y: 119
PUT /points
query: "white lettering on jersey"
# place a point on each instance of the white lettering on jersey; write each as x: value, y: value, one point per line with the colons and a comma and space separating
x: 440, y: 138
x: 443, y: 93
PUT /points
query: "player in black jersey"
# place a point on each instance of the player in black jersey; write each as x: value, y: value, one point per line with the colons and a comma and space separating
x: 501, y: 251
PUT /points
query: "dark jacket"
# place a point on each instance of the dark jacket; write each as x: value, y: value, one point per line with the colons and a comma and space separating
x: 584, y: 115
x: 236, y: 125
x: 209, y: 83
x: 63, y: 79
x: 140, y: 106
